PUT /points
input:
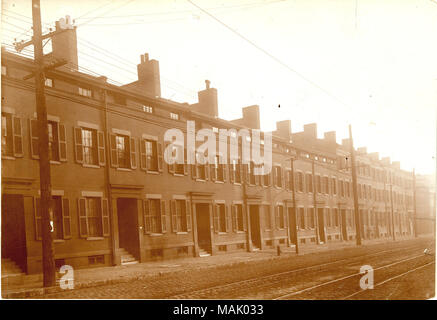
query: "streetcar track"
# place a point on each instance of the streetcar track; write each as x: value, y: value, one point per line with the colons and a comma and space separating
x: 317, y: 267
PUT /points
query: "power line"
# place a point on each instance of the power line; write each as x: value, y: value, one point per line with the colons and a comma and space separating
x: 268, y: 54
x: 92, y: 10
x: 112, y: 9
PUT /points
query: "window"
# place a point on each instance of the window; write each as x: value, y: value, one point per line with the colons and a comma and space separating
x: 178, y: 167
x: 328, y: 217
x: 326, y: 185
x: 155, y: 220
x: 201, y: 169
x: 267, y: 217
x: 181, y: 216
x: 299, y: 178
x: 277, y: 177
x: 174, y: 116
x: 85, y: 92
x: 251, y: 173
x: 318, y: 184
x: 220, y: 218
x: 336, y: 218
x: 266, y: 179
x: 310, y: 218
x: 48, y: 82
x: 334, y: 185
x: 217, y: 170
x: 309, y: 182
x: 148, y: 109
x: 57, y: 140
x: 149, y: 155
x: 93, y: 217
x: 53, y: 141
x: 60, y: 219
x: 12, y: 138
x: 280, y: 217
x: 89, y: 146
x: 290, y: 182
x: 238, y: 217
x: 123, y: 151
x: 236, y: 171
x: 341, y: 185
x: 301, y: 218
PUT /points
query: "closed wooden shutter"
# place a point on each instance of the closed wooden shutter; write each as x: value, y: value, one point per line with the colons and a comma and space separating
x: 66, y: 218
x: 62, y: 142
x: 163, y: 218
x: 113, y: 148
x: 38, y: 223
x: 277, y: 218
x: 244, y: 213
x: 143, y: 155
x: 234, y: 217
x: 78, y: 147
x: 216, y: 218
x: 83, y: 221
x: 174, y: 217
x: 206, y: 168
x: 228, y: 219
x: 231, y: 172
x: 170, y: 167
x: 188, y: 214
x: 160, y: 156
x: 213, y: 172
x: 224, y: 170
x: 34, y: 141
x: 101, y: 147
x: 105, y: 218
x: 133, y: 153
x: 18, y: 137
x: 147, y: 218
x: 185, y: 162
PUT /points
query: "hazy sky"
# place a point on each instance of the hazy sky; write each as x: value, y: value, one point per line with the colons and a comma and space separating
x: 376, y: 59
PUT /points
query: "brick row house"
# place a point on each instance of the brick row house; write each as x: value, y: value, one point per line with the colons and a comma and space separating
x: 115, y: 199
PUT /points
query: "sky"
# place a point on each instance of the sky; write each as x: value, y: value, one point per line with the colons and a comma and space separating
x: 368, y: 63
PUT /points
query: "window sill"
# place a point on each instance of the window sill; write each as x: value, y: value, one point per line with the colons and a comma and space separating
x: 8, y: 158
x: 155, y: 234
x: 178, y: 174
x: 200, y: 180
x: 182, y: 232
x: 219, y: 182
x: 222, y: 232
x: 55, y: 162
x: 237, y: 183
x: 152, y: 172
x: 90, y: 166
x: 124, y: 169
x: 58, y: 241
x: 240, y: 231
x: 95, y: 238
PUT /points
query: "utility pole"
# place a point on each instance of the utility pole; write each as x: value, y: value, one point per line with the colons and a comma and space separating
x: 354, y: 188
x: 293, y: 186
x: 392, y: 213
x: 316, y: 219
x: 49, y: 271
x: 414, y: 203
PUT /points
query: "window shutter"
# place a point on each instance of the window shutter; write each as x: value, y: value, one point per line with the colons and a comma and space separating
x: 113, y: 146
x: 234, y: 217
x: 143, y: 155
x: 224, y: 172
x: 133, y: 153
x: 101, y: 147
x: 171, y: 167
x: 38, y: 223
x: 83, y: 221
x: 185, y: 162
x: 257, y: 177
x: 147, y: 221
x: 18, y: 137
x: 216, y: 218
x: 213, y: 175
x: 277, y: 220
x: 241, y: 172
x: 160, y: 156
x: 34, y: 144
x: 231, y: 172
x: 78, y: 147
x: 105, y: 218
x: 66, y: 218
x: 244, y: 217
x: 194, y: 171
x: 188, y: 214
x: 173, y: 213
x: 163, y: 217
x: 287, y: 180
x: 206, y: 168
x: 228, y: 219
x: 284, y: 216
x: 62, y: 142
x: 246, y: 173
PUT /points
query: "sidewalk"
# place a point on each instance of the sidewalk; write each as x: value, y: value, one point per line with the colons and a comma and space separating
x: 91, y: 277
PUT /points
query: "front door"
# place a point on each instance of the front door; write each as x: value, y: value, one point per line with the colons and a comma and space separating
x: 321, y: 221
x: 127, y: 210
x: 292, y: 225
x: 14, y: 230
x: 203, y: 226
x: 255, y: 225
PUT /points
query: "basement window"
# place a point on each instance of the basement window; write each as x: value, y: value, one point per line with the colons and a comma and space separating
x: 222, y: 248
x: 93, y: 260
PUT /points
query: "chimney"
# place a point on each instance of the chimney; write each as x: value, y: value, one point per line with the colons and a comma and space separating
x: 331, y: 136
x: 310, y: 129
x: 148, y: 76
x: 208, y: 102
x: 64, y: 45
x: 374, y: 155
x: 251, y: 117
x: 362, y: 150
x: 346, y: 143
x: 283, y: 129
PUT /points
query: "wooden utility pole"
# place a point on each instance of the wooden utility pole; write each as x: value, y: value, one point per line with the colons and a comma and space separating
x: 392, y: 212
x: 49, y: 271
x: 293, y: 186
x: 354, y: 188
x: 316, y: 219
x: 414, y: 204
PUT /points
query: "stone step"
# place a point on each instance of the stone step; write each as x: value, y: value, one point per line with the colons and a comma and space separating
x: 127, y: 258
x: 129, y: 262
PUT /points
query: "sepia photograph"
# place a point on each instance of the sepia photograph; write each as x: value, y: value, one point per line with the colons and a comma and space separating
x: 233, y: 153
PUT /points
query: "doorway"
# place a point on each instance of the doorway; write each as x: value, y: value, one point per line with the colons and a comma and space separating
x: 203, y: 226
x: 321, y: 222
x: 127, y: 211
x: 292, y: 226
x: 255, y: 232
x: 14, y: 230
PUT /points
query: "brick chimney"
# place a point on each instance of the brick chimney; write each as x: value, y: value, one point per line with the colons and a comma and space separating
x: 64, y: 45
x: 208, y: 102
x: 283, y: 129
x: 149, y: 79
x: 310, y: 129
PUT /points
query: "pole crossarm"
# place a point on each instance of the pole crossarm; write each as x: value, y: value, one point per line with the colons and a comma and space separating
x: 47, y: 67
x: 19, y: 46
